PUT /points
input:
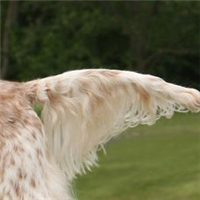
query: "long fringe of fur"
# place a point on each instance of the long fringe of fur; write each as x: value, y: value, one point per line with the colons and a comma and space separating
x: 84, y: 109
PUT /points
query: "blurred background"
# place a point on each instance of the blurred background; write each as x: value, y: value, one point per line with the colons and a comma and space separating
x: 43, y: 38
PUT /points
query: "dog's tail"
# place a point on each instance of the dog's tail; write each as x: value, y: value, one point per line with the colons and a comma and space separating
x: 84, y: 109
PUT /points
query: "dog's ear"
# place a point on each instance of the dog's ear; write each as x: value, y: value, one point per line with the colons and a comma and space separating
x: 84, y: 109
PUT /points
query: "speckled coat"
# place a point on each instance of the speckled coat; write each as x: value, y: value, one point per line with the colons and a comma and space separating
x: 82, y: 110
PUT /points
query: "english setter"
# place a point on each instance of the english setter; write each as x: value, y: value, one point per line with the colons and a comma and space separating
x: 82, y: 110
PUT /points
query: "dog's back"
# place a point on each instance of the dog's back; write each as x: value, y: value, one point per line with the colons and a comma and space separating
x: 26, y: 169
x: 82, y: 110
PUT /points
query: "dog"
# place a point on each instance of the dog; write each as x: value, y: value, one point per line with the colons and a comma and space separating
x: 82, y: 110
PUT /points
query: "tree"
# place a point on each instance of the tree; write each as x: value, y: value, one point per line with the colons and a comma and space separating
x: 161, y: 38
x: 8, y: 25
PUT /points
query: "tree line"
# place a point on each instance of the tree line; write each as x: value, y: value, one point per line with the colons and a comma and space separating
x: 44, y: 38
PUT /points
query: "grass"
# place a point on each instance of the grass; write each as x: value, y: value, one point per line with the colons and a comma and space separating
x: 161, y: 162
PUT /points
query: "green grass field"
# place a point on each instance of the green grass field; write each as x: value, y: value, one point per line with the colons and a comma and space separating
x: 161, y: 162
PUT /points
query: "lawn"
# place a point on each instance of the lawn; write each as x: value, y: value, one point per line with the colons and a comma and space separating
x: 161, y: 162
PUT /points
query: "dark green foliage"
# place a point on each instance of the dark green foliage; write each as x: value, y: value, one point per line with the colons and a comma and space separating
x: 160, y: 38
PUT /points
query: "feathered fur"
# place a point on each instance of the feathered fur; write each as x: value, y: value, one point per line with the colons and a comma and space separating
x: 82, y: 110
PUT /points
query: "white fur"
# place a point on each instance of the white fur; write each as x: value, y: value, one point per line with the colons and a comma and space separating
x: 101, y: 106
x: 86, y: 108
